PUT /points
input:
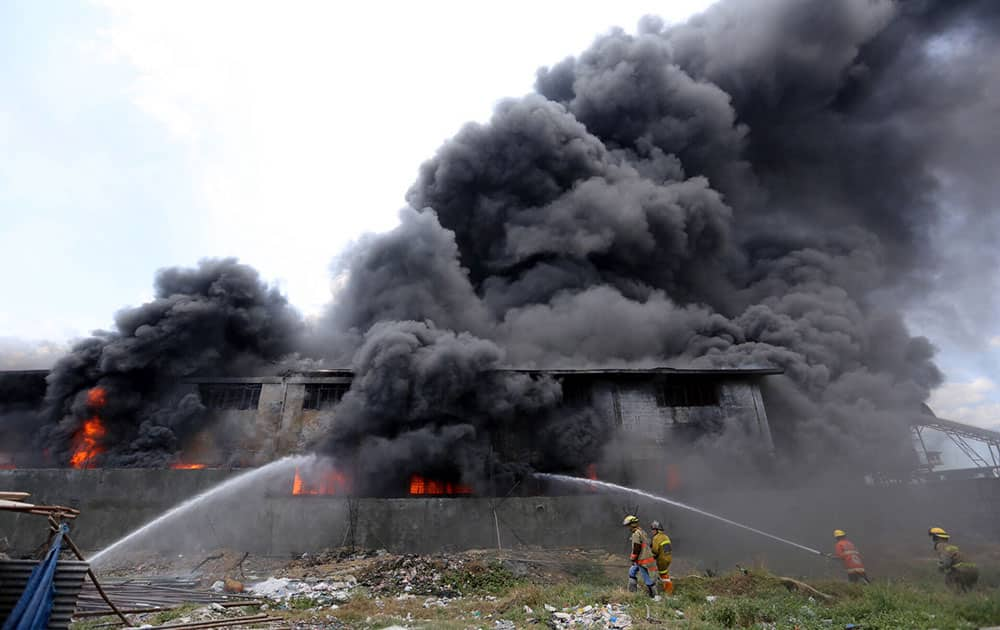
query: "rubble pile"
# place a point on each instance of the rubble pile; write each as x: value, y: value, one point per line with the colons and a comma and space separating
x: 417, y: 575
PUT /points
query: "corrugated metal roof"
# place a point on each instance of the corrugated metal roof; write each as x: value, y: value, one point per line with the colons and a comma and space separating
x: 68, y: 581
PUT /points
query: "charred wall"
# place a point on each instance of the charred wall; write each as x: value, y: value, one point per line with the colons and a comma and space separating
x: 249, y: 421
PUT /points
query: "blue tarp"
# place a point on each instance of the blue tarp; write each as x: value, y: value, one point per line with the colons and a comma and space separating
x: 33, y: 609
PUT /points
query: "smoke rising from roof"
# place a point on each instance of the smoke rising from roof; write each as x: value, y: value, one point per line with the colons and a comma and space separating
x: 762, y: 185
x: 216, y: 318
x: 757, y: 186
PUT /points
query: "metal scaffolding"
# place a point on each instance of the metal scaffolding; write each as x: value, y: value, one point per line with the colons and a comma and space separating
x: 961, y: 435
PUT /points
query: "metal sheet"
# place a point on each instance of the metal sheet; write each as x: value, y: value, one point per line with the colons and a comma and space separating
x: 68, y: 581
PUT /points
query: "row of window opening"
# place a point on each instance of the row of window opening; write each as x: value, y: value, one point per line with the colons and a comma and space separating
x: 240, y: 396
x: 245, y: 396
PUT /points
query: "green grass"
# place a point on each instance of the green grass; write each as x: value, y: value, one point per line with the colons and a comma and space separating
x: 757, y: 600
x: 482, y: 579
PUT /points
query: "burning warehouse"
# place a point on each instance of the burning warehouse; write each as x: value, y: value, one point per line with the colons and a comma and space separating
x: 249, y: 421
x: 754, y: 212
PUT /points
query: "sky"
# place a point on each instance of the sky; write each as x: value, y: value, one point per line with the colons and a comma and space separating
x: 140, y: 135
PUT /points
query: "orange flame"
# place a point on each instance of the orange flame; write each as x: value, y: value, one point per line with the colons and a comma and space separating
x: 97, y: 397
x: 86, y: 446
x: 592, y: 475
x: 673, y: 477
x: 184, y: 466
x: 330, y: 481
x: 422, y: 486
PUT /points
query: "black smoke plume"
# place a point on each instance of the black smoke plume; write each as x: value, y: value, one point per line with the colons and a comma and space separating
x: 769, y: 184
x: 216, y: 319
x: 758, y: 186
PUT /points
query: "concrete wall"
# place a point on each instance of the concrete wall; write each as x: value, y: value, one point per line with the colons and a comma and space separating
x: 263, y: 517
x: 266, y: 518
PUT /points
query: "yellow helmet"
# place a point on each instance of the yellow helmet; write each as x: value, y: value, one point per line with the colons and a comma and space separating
x: 837, y: 533
x: 630, y: 519
x: 937, y: 532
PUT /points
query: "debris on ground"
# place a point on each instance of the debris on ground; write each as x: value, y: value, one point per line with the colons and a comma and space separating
x: 478, y: 589
x: 317, y: 592
x: 419, y: 575
x: 592, y: 616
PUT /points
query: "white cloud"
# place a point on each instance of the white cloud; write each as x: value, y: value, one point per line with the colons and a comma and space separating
x: 20, y: 354
x: 975, y: 402
x: 995, y: 341
x: 307, y: 121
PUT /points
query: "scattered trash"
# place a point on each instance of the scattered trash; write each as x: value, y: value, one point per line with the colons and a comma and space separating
x: 591, y: 616
x: 320, y: 593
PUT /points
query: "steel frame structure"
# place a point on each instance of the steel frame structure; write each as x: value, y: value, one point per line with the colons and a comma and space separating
x: 960, y: 435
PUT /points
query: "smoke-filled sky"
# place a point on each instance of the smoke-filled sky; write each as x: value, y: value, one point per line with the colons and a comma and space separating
x: 145, y: 135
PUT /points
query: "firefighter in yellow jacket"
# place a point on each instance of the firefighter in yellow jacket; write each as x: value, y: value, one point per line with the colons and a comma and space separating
x: 643, y: 562
x: 959, y: 572
x: 663, y: 552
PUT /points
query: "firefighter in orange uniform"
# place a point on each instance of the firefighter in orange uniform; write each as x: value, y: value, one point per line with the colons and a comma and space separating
x: 848, y: 554
x: 643, y: 562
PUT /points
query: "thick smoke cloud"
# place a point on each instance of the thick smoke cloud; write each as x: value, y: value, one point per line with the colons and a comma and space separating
x: 758, y: 186
x: 217, y: 319
x: 431, y: 396
x: 765, y: 185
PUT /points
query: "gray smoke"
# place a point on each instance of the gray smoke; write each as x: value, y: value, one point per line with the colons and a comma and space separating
x: 217, y: 319
x: 759, y: 186
x: 772, y: 183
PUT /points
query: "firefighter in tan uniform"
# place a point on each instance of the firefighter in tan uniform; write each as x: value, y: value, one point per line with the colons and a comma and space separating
x: 663, y: 552
x: 643, y: 562
x: 959, y: 572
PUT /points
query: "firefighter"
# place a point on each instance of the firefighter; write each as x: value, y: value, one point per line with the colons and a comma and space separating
x: 663, y: 552
x: 848, y: 554
x: 642, y: 558
x: 959, y: 573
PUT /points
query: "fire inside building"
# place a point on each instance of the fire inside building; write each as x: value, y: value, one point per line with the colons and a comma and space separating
x: 255, y: 420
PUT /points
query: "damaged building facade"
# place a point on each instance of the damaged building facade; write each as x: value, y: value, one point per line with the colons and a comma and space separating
x: 306, y: 507
x: 250, y: 421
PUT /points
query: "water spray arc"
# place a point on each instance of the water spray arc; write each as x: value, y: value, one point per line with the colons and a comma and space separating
x: 239, y: 481
x: 613, y: 486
